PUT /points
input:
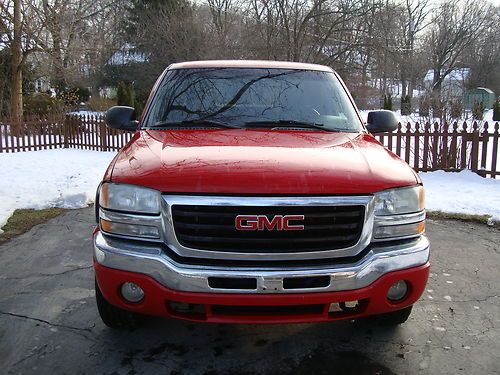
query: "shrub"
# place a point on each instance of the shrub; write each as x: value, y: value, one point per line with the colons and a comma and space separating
x: 424, y: 106
x: 41, y: 104
x: 141, y: 98
x: 82, y: 93
x: 406, y: 105
x: 73, y: 96
x: 478, y: 110
x: 387, y: 102
x: 437, y: 106
x: 456, y: 108
x: 125, y: 94
x: 96, y: 103
x: 496, y: 111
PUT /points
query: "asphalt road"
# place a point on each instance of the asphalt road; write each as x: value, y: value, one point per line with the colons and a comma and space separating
x: 49, y: 322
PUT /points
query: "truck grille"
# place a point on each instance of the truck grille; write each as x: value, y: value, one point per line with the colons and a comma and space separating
x: 213, y: 228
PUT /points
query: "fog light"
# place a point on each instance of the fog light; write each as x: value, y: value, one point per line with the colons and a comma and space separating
x: 132, y: 292
x: 397, y: 291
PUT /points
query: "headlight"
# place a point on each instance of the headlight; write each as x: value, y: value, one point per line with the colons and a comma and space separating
x: 399, y: 201
x: 399, y: 213
x: 129, y: 198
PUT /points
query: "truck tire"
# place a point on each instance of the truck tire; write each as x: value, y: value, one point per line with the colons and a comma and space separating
x: 113, y: 316
x: 396, y: 317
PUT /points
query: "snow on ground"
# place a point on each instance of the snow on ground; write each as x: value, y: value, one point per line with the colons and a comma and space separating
x: 66, y: 178
x: 462, y: 192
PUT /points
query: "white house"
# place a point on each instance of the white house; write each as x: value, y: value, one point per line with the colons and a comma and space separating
x: 454, y: 84
x: 127, y: 54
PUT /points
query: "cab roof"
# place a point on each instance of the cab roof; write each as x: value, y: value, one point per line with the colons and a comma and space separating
x: 262, y: 64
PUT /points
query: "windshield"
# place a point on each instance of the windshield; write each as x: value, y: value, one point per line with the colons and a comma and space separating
x: 262, y: 97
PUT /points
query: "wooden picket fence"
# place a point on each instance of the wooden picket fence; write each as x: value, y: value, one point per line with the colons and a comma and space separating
x: 74, y: 131
x: 450, y: 147
x: 428, y: 147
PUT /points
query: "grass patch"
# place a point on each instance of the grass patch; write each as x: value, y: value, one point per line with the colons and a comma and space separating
x: 23, y: 220
x: 482, y: 219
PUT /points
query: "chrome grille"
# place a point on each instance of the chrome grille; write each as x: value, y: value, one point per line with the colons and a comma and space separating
x: 212, y: 228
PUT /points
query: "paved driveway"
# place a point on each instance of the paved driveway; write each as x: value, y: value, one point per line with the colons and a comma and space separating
x: 49, y: 322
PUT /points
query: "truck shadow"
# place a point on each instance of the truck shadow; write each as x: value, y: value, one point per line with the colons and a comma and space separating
x: 343, y: 347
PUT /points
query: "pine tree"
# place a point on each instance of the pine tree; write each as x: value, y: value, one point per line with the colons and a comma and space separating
x: 405, y: 105
x: 496, y: 111
x: 388, y: 102
x: 125, y: 94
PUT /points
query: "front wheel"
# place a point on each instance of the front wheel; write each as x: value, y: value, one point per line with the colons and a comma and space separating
x: 396, y: 317
x: 113, y: 316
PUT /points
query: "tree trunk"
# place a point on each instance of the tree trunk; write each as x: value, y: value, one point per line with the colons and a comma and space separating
x: 437, y: 81
x: 16, y: 96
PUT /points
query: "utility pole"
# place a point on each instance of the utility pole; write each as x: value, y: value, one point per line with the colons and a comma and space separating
x: 16, y: 95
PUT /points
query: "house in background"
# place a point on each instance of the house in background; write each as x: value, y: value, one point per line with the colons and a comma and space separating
x: 127, y: 54
x: 454, y: 84
x: 480, y: 95
x: 121, y: 60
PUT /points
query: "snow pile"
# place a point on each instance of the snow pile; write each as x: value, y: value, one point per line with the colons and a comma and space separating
x: 462, y: 192
x: 65, y: 178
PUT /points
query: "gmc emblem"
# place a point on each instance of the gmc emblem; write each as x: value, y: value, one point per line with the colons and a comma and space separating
x: 262, y: 222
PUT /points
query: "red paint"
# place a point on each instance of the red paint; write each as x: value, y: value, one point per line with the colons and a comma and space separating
x: 259, y: 161
x: 156, y: 297
x: 262, y: 222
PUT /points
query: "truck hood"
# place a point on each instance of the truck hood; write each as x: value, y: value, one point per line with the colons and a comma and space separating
x: 259, y: 161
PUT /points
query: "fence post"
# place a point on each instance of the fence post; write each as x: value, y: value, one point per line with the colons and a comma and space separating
x: 398, y: 140
x: 444, y: 146
x: 425, y: 159
x: 475, y: 148
x: 484, y: 147
x: 407, y: 144
x: 416, y: 153
x: 463, y: 150
x: 102, y: 136
x: 66, y: 130
x: 435, y: 148
x: 495, y: 152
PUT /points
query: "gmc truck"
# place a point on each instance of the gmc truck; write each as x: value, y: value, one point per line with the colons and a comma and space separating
x: 253, y: 192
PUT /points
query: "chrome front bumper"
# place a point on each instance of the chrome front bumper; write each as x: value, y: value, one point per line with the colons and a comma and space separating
x: 151, y: 260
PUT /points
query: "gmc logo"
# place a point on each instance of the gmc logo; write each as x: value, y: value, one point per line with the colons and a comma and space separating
x: 261, y: 222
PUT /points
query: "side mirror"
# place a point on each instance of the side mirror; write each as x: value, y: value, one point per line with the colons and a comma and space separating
x: 121, y: 117
x: 381, y: 121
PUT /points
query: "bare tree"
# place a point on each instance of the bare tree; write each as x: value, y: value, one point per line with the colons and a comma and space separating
x: 16, y: 97
x: 415, y: 19
x: 11, y: 27
x: 483, y: 56
x: 455, y: 26
x: 60, y: 30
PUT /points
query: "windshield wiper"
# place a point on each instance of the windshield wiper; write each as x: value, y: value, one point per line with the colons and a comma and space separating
x: 286, y: 124
x: 187, y: 123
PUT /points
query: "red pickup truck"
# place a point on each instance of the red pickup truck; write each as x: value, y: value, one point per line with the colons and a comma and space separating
x: 252, y: 192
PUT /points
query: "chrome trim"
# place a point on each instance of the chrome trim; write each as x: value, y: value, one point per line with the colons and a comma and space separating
x: 152, y: 261
x: 126, y: 218
x: 382, y: 221
x: 173, y: 243
x: 400, y: 219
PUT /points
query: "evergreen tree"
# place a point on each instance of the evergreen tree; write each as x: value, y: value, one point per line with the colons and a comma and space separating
x: 496, y: 111
x: 388, y: 102
x: 405, y: 105
x: 125, y: 94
